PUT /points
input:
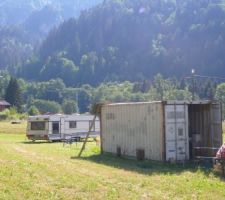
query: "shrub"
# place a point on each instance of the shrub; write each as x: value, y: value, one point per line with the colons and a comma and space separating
x: 12, y: 114
x: 33, y: 111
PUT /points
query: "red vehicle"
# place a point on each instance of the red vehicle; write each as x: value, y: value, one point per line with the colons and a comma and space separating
x: 221, y: 152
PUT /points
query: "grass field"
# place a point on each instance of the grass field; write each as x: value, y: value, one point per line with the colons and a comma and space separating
x: 52, y: 171
x: 9, y: 128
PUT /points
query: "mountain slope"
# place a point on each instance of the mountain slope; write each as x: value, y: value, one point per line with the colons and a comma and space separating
x: 133, y: 40
x: 24, y: 23
x: 16, y: 12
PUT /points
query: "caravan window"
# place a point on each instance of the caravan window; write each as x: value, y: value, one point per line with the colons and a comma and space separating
x: 37, y: 126
x: 73, y: 124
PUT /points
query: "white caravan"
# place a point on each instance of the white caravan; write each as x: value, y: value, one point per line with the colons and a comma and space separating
x: 58, y: 127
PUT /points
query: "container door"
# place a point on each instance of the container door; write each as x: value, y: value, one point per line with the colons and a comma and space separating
x: 176, y: 132
x: 216, y: 125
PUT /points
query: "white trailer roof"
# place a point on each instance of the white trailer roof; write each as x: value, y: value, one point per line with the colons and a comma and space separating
x: 56, y: 117
x: 36, y: 117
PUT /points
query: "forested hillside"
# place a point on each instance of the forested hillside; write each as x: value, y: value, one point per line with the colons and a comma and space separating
x: 134, y: 40
x: 16, y: 46
x: 16, y: 12
x: 116, y: 51
x: 39, y: 16
x: 25, y: 23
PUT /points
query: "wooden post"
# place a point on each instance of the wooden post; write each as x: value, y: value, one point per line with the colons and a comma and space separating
x: 100, y: 118
x: 87, y: 136
x: 96, y: 110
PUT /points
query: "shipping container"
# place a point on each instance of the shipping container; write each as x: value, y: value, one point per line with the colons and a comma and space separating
x: 162, y: 131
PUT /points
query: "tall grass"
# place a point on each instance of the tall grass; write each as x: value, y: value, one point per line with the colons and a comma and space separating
x: 6, y: 127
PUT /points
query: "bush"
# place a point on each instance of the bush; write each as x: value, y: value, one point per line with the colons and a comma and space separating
x: 47, y: 106
x: 12, y: 114
x: 4, y: 115
x: 69, y: 106
x: 33, y: 111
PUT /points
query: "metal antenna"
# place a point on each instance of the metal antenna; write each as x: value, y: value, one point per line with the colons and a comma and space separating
x: 193, y: 78
x: 193, y: 84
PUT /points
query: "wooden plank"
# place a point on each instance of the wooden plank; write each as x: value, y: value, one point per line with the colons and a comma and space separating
x: 87, y: 136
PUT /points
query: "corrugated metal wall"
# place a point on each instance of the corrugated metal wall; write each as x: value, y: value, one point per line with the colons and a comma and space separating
x: 134, y: 126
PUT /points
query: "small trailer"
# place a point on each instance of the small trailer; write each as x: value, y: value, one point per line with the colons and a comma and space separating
x: 60, y: 127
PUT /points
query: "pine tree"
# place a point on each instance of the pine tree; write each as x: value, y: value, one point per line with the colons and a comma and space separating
x: 13, y: 94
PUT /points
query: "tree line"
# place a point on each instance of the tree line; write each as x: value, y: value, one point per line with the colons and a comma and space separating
x: 55, y: 97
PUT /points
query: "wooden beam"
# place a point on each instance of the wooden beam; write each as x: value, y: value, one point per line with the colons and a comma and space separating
x: 87, y: 136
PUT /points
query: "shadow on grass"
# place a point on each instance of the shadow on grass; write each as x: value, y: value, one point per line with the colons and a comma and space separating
x: 53, y: 142
x: 37, y: 142
x: 147, y: 167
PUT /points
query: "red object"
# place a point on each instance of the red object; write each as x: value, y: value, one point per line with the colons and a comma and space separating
x: 221, y: 152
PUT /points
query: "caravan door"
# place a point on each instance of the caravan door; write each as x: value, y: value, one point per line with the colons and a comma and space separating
x: 176, y: 132
x: 55, y: 131
x: 55, y: 128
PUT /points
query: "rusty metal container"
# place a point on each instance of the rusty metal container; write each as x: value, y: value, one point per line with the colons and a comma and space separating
x: 164, y: 131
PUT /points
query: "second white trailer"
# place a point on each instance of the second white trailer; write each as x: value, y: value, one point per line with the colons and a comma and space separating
x: 58, y: 127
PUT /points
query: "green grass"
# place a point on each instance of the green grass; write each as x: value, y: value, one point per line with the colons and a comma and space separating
x: 8, y: 128
x: 52, y: 171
